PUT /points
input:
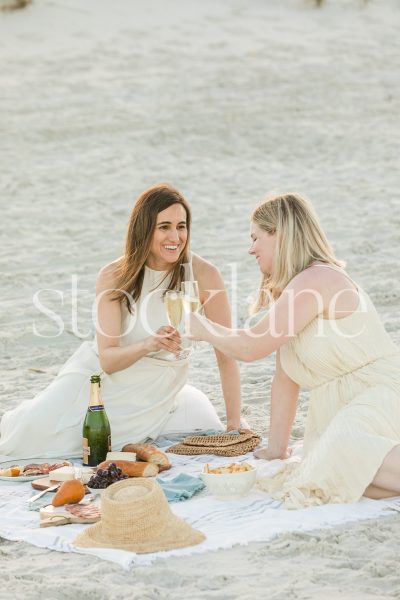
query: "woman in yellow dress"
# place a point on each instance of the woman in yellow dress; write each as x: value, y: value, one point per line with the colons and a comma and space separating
x: 328, y: 339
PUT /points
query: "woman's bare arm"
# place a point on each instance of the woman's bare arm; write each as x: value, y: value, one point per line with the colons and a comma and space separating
x: 303, y: 299
x: 214, y: 298
x: 284, y: 397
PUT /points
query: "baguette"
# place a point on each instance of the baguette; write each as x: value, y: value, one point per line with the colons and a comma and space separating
x: 149, y: 453
x: 132, y: 469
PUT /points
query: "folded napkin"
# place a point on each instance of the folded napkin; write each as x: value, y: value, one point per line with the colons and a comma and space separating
x: 182, y: 487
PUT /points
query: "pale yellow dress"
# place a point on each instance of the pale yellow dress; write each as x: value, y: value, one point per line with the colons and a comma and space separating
x: 352, y: 369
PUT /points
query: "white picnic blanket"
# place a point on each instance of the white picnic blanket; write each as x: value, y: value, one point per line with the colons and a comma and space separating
x: 254, y: 518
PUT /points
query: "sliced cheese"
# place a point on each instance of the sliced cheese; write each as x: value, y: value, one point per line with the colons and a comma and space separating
x: 62, y: 474
x: 66, y: 473
x: 131, y: 456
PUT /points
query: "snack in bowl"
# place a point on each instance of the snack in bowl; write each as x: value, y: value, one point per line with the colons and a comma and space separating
x: 229, y: 482
x: 232, y: 468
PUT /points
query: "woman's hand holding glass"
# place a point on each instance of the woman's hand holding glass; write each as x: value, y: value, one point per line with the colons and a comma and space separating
x: 177, y: 302
x: 195, y: 326
x: 166, y: 338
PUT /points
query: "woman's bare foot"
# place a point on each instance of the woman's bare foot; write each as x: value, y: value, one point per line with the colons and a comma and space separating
x: 261, y: 453
x: 266, y: 454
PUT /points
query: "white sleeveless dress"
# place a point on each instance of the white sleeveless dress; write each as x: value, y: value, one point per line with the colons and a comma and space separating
x: 352, y: 369
x: 148, y: 398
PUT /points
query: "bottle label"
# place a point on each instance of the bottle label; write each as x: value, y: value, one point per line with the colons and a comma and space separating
x: 98, y: 407
x: 86, y: 451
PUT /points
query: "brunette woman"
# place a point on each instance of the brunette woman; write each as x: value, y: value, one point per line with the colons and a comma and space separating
x: 144, y: 365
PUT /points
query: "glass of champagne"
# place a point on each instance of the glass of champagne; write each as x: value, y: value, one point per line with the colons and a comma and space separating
x: 191, y: 298
x: 173, y: 307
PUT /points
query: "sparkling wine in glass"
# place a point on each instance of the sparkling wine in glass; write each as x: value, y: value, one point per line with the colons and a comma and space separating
x: 173, y: 306
x: 191, y: 296
x: 191, y: 299
x: 174, y: 309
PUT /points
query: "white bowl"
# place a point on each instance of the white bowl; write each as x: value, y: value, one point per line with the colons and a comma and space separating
x: 230, y: 486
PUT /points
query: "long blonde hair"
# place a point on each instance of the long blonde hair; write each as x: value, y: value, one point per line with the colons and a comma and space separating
x: 300, y: 241
x: 142, y: 223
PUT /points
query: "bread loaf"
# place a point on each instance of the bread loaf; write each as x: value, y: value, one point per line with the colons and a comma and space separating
x: 149, y: 453
x: 132, y: 469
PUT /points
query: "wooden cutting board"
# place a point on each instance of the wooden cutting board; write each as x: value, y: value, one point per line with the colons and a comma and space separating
x: 51, y: 516
x: 43, y: 484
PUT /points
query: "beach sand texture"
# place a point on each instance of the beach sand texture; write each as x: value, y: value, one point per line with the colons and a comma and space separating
x: 226, y: 100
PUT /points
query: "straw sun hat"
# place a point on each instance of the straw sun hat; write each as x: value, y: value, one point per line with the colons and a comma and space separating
x: 135, y: 516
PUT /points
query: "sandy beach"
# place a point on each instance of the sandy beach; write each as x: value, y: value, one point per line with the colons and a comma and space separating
x: 227, y: 101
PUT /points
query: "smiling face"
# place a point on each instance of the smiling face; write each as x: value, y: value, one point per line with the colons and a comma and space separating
x: 263, y: 247
x: 169, y: 238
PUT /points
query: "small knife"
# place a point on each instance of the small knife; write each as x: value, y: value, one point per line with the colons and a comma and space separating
x: 40, y: 494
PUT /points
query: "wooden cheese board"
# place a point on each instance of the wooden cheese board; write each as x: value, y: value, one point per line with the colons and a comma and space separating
x: 51, y: 516
x: 43, y: 484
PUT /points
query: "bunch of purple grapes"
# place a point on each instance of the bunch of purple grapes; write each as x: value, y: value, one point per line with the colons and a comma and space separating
x: 105, y: 477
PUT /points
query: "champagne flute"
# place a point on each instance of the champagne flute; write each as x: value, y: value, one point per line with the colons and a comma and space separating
x: 191, y: 298
x: 173, y: 307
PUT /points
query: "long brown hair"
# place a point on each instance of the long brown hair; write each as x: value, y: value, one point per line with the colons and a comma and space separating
x: 141, y: 226
x: 300, y: 242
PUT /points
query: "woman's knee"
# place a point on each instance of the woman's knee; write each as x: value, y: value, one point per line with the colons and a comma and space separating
x: 194, y: 411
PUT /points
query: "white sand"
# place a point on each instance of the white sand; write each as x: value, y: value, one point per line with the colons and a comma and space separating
x: 226, y: 100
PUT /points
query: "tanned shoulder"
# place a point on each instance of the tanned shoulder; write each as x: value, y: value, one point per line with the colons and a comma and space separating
x: 323, y: 280
x: 107, y: 275
x: 205, y: 271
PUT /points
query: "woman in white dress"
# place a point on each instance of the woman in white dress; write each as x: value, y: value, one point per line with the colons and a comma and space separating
x: 328, y: 339
x: 144, y: 369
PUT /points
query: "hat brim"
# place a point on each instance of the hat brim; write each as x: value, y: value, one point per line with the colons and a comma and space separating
x: 176, y: 534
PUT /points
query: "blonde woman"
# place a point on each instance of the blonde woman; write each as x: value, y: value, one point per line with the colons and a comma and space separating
x: 144, y: 380
x: 328, y: 339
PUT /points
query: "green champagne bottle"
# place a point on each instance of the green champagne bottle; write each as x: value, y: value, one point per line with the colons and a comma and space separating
x: 96, y: 427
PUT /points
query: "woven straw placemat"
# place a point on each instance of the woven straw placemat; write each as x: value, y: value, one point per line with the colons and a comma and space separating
x: 223, y: 444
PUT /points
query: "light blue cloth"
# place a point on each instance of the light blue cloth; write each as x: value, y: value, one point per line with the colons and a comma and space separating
x: 41, y: 502
x: 182, y: 487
